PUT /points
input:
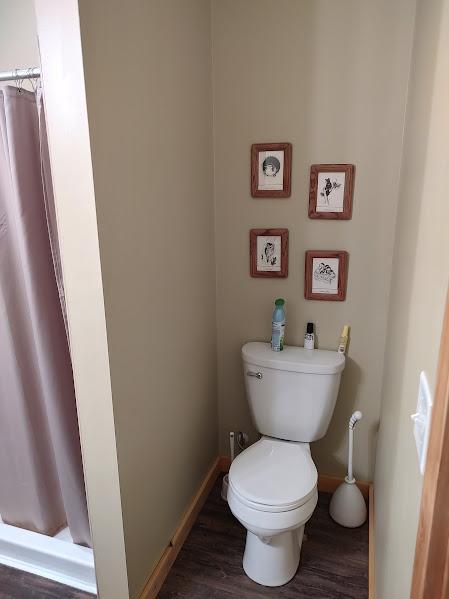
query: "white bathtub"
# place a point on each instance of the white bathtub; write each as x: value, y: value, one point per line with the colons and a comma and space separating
x: 57, y: 558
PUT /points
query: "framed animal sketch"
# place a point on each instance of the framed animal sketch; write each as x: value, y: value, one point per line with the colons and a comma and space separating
x: 268, y: 250
x: 326, y: 275
x: 271, y: 170
x: 331, y: 190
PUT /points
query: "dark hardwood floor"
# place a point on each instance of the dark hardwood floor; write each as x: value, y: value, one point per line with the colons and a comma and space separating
x: 334, y: 560
x: 15, y: 584
x: 334, y: 563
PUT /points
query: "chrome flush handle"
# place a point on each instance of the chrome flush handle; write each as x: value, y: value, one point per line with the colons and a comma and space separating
x: 258, y: 375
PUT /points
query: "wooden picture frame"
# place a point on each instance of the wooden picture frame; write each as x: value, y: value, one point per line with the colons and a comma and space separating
x: 271, y: 170
x: 330, y: 197
x: 326, y: 275
x: 268, y: 249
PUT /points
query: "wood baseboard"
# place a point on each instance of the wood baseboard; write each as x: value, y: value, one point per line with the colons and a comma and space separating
x: 157, y: 578
x: 371, y: 548
x: 224, y: 463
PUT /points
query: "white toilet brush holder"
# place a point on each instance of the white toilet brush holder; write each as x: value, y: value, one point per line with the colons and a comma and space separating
x: 225, y: 483
x: 347, y: 506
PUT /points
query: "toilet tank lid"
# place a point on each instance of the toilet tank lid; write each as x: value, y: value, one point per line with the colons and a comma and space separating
x: 295, y: 359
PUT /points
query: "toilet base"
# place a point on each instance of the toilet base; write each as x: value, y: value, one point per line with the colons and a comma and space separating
x: 273, y: 562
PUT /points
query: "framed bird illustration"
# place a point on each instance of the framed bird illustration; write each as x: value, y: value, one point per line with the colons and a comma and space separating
x: 331, y: 191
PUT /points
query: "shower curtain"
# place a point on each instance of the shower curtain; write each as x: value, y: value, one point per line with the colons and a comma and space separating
x: 41, y: 476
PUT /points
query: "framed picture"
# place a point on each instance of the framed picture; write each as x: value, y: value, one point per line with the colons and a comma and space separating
x: 268, y: 249
x: 331, y: 189
x: 326, y: 275
x: 271, y: 170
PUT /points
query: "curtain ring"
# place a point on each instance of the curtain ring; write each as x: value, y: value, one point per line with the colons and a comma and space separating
x: 30, y: 79
x: 18, y: 80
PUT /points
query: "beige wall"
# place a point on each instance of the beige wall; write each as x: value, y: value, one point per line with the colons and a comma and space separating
x: 328, y: 86
x: 148, y: 85
x: 18, y: 35
x: 419, y: 285
x: 330, y: 77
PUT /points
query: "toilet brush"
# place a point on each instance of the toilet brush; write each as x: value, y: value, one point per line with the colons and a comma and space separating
x: 225, y: 483
x: 347, y: 506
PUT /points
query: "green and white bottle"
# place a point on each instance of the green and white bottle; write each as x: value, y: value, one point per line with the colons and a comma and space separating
x: 278, y: 326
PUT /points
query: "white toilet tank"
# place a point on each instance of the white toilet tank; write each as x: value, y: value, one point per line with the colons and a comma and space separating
x: 291, y: 393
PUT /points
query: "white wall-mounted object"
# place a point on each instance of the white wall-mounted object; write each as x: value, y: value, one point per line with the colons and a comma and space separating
x: 422, y: 419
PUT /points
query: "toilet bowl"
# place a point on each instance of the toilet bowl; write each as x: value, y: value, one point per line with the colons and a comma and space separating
x: 273, y: 493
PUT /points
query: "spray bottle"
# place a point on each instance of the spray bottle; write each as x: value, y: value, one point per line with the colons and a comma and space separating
x: 278, y: 326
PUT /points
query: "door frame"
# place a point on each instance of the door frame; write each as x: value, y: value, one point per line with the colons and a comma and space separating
x: 431, y: 566
x: 66, y: 115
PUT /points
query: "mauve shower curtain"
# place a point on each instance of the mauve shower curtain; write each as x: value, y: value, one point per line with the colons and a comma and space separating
x: 41, y: 476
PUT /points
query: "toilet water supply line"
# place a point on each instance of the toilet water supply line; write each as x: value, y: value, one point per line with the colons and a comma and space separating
x: 352, y: 422
x: 231, y: 445
x: 225, y: 483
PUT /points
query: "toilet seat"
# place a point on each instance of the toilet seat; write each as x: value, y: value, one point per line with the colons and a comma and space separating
x: 269, y: 523
x: 274, y: 476
x: 273, y: 508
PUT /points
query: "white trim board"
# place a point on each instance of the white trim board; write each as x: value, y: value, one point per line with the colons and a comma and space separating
x: 49, y: 557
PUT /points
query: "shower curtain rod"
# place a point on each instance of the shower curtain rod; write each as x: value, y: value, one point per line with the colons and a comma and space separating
x: 18, y: 74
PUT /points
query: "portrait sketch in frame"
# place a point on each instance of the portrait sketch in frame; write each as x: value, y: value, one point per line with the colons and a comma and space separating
x: 326, y: 275
x: 331, y: 191
x: 271, y: 169
x: 268, y: 250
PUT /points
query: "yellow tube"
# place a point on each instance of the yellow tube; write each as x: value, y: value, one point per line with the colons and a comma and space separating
x: 344, y: 338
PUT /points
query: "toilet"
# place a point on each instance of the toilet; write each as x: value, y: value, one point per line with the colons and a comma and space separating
x: 273, y: 484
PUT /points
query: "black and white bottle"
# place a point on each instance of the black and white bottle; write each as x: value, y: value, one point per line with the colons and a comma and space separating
x: 309, y: 337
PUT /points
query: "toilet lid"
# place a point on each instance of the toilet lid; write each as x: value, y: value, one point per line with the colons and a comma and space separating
x: 274, y: 473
